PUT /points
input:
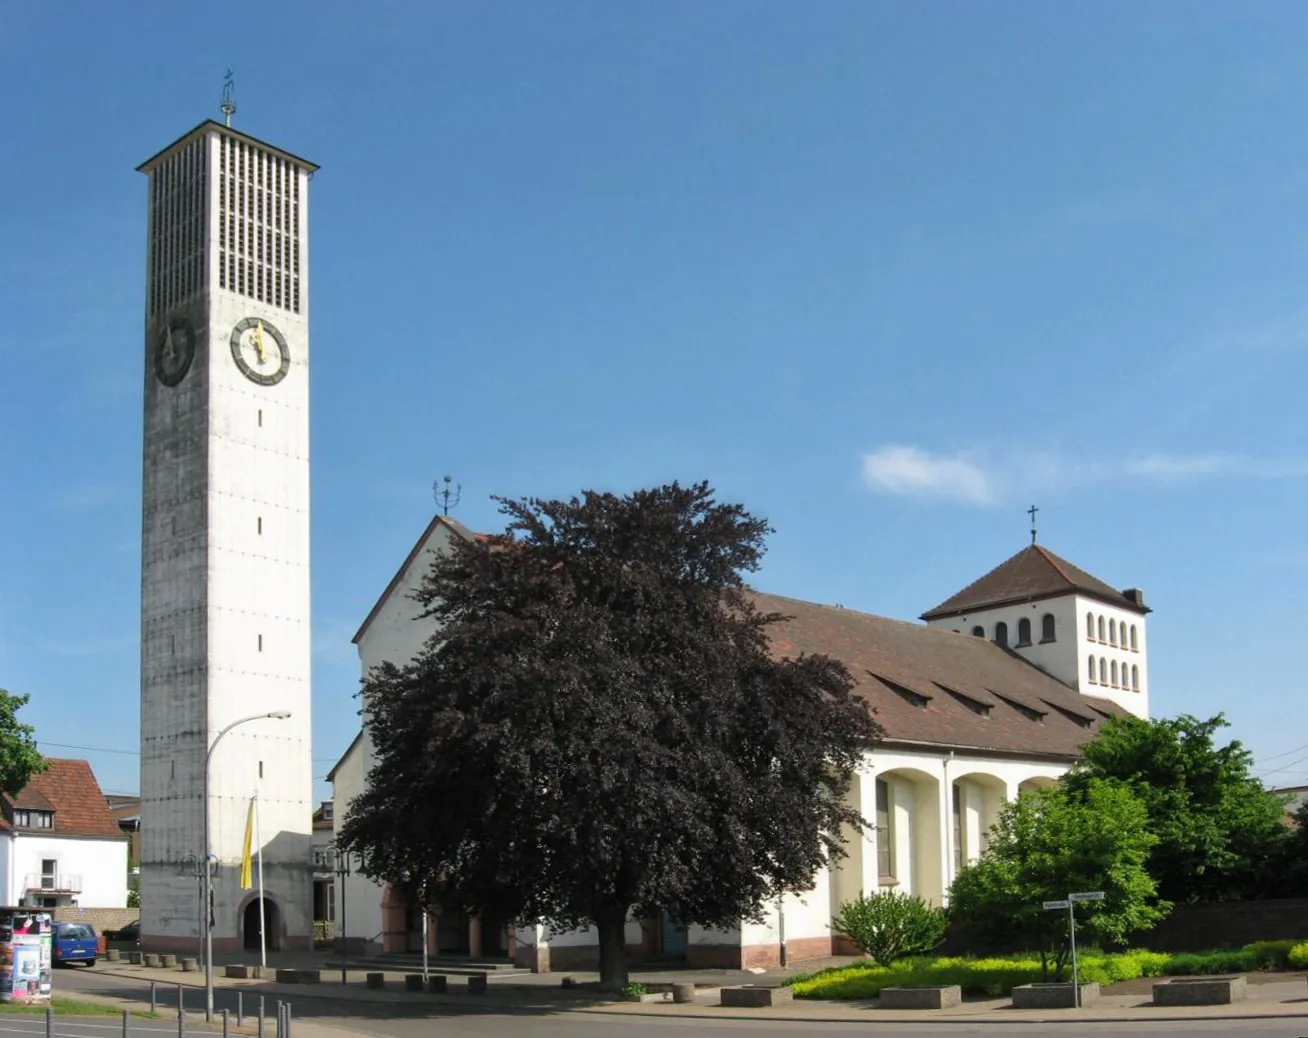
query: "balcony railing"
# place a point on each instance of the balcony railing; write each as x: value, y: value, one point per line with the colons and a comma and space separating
x: 58, y: 883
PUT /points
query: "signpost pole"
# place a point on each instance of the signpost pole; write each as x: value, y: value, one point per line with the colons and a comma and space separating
x: 1071, y: 932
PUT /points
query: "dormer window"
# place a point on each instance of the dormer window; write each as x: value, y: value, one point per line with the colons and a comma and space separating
x: 25, y: 819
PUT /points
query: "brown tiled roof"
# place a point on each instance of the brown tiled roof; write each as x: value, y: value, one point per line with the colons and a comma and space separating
x: 930, y: 685
x: 1034, y: 572
x: 70, y: 789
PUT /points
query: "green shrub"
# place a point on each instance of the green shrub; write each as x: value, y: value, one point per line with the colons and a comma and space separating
x: 889, y: 925
x: 1297, y: 958
x: 1271, y: 955
x: 1234, y: 960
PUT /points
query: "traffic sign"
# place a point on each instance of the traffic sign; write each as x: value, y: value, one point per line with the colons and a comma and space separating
x: 1089, y: 895
x: 1051, y: 905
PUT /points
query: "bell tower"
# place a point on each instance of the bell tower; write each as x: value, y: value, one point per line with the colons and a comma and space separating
x: 225, y: 643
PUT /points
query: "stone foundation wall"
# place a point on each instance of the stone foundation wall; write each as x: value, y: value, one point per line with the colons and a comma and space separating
x: 101, y: 918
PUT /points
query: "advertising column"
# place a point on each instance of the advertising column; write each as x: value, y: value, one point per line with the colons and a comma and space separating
x: 26, y: 955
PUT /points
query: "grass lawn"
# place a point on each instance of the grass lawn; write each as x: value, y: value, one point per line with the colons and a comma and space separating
x: 63, y: 1007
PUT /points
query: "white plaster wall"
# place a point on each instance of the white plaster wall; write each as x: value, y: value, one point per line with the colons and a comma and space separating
x: 359, y: 912
x: 101, y: 864
x: 1058, y: 658
x: 1126, y: 697
x: 8, y: 881
x: 805, y: 915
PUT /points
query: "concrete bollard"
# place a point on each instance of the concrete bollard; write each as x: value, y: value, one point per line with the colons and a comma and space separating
x: 168, y: 961
x: 190, y: 964
x: 438, y: 983
x: 376, y: 980
x: 413, y: 982
x: 477, y: 984
x: 683, y: 993
x: 151, y: 959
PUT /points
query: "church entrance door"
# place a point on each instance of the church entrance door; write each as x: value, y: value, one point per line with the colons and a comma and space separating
x: 271, y: 922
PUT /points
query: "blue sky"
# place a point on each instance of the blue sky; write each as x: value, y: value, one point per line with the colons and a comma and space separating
x: 886, y: 273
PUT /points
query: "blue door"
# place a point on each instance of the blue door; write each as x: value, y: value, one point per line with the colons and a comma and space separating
x: 672, y: 939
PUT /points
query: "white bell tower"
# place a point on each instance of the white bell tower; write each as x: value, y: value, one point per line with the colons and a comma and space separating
x: 225, y: 539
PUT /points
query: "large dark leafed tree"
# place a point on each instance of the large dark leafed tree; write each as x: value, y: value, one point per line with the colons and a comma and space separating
x: 598, y: 727
x: 19, y: 757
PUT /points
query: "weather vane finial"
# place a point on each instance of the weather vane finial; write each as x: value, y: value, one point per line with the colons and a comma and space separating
x: 1032, y: 513
x: 228, y: 106
x: 445, y: 497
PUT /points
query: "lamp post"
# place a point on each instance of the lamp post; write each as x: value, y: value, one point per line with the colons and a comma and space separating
x: 341, y: 869
x: 277, y: 715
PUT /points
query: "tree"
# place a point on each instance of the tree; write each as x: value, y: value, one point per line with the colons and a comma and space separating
x: 890, y: 925
x: 19, y: 757
x: 1219, y: 830
x: 1045, y: 845
x: 598, y: 727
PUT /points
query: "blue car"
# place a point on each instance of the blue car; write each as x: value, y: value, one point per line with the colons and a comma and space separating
x: 75, y: 942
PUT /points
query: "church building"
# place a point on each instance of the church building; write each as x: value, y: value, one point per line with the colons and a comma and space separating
x: 991, y: 695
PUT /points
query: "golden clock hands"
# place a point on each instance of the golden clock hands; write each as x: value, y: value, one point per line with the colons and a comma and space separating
x: 258, y: 342
x: 169, y: 350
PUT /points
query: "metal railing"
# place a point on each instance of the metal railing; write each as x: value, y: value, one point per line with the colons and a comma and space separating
x: 324, y: 929
x: 61, y: 882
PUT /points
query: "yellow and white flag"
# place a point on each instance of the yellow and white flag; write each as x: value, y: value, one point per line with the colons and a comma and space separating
x: 247, y: 879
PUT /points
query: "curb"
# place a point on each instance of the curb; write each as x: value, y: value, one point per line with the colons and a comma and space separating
x: 869, y: 1015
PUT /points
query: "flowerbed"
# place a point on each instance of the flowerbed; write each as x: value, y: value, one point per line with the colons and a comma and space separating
x: 997, y: 977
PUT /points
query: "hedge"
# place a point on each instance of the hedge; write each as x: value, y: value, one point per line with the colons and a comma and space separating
x: 997, y: 977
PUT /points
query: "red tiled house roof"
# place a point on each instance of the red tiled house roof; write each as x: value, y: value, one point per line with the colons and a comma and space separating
x: 928, y: 685
x: 69, y: 788
x: 1033, y: 573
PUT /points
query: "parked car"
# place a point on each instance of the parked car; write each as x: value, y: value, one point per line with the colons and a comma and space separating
x: 75, y: 942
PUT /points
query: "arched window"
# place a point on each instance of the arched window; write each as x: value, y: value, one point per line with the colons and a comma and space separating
x: 1024, y: 631
x: 1090, y: 626
x: 1101, y: 628
x: 1001, y: 633
x: 1134, y: 646
x: 1135, y: 677
x: 977, y: 632
x: 1047, y: 628
x: 1103, y: 671
x: 1090, y: 661
x: 1112, y: 672
x: 1112, y: 632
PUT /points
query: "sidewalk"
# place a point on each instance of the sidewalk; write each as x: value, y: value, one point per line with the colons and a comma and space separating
x: 1285, y: 998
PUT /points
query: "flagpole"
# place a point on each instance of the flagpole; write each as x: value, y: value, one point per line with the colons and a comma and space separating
x: 263, y: 923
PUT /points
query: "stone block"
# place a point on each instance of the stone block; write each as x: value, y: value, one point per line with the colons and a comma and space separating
x: 376, y: 980
x: 135, y: 958
x: 682, y: 993
x: 287, y: 976
x: 237, y: 972
x: 190, y: 964
x: 413, y: 982
x: 151, y: 959
x: 1053, y: 996
x: 943, y: 997
x: 750, y: 997
x: 112, y: 954
x: 477, y: 983
x: 310, y: 976
x: 438, y: 983
x: 1200, y: 991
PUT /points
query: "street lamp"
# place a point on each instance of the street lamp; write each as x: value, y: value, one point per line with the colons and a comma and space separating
x: 341, y: 869
x: 276, y: 715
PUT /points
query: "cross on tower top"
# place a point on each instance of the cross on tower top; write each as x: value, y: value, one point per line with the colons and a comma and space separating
x: 1032, y: 513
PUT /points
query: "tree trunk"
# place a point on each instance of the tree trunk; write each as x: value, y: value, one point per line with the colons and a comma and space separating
x: 611, y: 922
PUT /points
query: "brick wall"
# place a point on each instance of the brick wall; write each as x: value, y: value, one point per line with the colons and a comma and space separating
x: 101, y: 918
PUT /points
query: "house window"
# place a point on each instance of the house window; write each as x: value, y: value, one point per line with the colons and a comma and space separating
x: 978, y: 632
x: 1103, y: 671
x: 1090, y: 626
x: 1024, y: 631
x: 1001, y: 633
x: 1112, y: 632
x: 1134, y: 647
x: 885, y: 837
x: 1112, y: 670
x: 49, y: 873
x: 1091, y: 661
x: 34, y: 819
x: 1101, y: 628
x: 1135, y: 677
x: 1047, y: 630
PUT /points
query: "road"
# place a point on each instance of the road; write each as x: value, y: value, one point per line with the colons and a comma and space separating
x: 458, y: 1021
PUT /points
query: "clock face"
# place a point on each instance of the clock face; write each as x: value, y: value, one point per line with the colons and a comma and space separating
x: 260, y: 351
x: 174, y: 351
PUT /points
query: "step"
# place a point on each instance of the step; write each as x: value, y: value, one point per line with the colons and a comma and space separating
x: 450, y: 967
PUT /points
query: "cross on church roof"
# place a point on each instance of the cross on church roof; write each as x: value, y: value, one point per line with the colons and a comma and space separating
x: 1032, y: 513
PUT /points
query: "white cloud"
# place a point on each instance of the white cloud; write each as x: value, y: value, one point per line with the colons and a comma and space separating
x: 912, y: 472
x: 994, y: 477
